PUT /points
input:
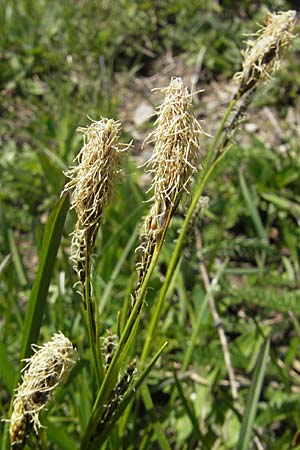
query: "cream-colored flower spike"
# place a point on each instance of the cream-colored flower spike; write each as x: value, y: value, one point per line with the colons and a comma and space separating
x: 92, y: 183
x: 176, y: 152
x: 93, y: 179
x: 175, y: 159
x: 262, y: 55
x: 48, y: 367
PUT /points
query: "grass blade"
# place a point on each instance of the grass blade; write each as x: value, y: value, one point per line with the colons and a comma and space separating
x: 252, y: 208
x: 60, y: 437
x: 253, y: 396
x: 160, y: 435
x: 37, y: 300
x: 127, y: 398
x: 6, y: 369
x: 52, y: 169
x: 17, y: 261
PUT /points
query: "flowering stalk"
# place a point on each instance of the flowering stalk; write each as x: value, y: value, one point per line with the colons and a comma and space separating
x: 48, y: 368
x: 175, y: 160
x: 114, y: 400
x: 262, y: 55
x: 108, y: 349
x: 221, y: 142
x: 92, y: 184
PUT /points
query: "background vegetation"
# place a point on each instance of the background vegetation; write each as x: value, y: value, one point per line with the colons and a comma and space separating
x: 62, y: 60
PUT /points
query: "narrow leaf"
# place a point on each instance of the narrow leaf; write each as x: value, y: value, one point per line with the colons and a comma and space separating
x: 6, y: 369
x: 127, y: 398
x: 61, y: 438
x: 252, y: 208
x: 37, y: 300
x: 253, y: 396
x: 160, y: 435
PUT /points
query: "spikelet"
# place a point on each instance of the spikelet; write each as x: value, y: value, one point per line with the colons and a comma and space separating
x: 48, y: 367
x: 92, y: 180
x: 108, y: 349
x: 262, y: 55
x: 117, y: 393
x: 92, y: 183
x: 176, y: 153
x: 176, y: 158
x: 78, y: 253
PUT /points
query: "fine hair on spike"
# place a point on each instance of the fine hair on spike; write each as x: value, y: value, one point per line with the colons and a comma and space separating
x: 175, y: 159
x: 92, y: 183
x: 262, y: 55
x: 48, y: 367
x: 176, y: 154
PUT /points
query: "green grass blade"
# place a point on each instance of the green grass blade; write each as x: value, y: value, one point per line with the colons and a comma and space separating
x: 60, y: 437
x: 127, y: 398
x: 252, y: 208
x: 188, y: 407
x: 52, y: 170
x: 37, y: 300
x: 282, y: 203
x: 253, y: 396
x: 6, y: 369
x: 17, y: 261
x: 160, y: 435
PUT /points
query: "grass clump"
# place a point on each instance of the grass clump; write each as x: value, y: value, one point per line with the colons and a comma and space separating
x: 178, y: 354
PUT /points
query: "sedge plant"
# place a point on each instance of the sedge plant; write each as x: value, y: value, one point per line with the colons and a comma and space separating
x: 178, y: 158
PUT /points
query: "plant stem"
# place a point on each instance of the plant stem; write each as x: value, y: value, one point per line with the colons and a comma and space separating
x: 119, y: 354
x: 209, y: 166
x: 92, y: 320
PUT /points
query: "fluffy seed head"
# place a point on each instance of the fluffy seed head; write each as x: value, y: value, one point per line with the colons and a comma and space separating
x: 176, y: 152
x: 262, y: 55
x: 92, y: 180
x: 48, y: 367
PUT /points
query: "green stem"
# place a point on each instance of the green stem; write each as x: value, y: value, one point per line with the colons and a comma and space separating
x: 93, y: 323
x: 160, y: 435
x: 209, y: 167
x: 211, y: 154
x: 112, y: 373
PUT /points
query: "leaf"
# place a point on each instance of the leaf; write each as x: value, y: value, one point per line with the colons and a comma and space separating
x: 6, y: 369
x: 58, y: 436
x: 52, y: 167
x: 285, y: 204
x: 252, y: 209
x: 16, y: 257
x: 160, y: 435
x: 253, y: 396
x: 37, y: 300
x: 127, y: 397
x: 273, y: 297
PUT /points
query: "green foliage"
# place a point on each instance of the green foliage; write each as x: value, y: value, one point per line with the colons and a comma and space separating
x: 58, y: 63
